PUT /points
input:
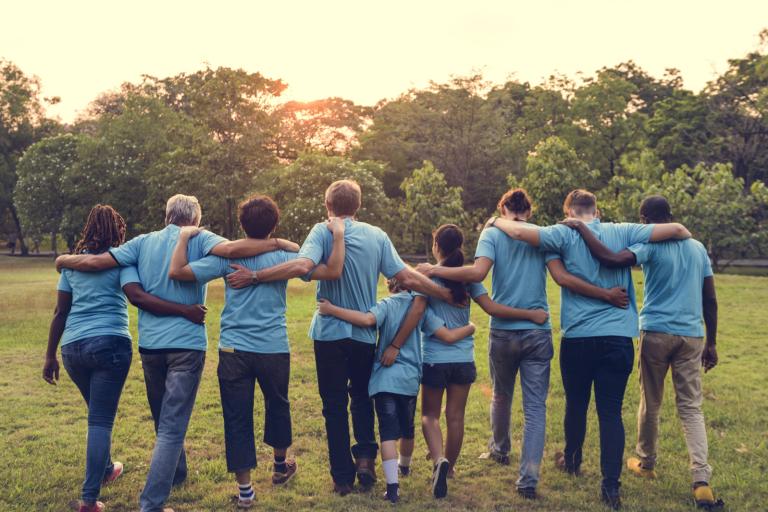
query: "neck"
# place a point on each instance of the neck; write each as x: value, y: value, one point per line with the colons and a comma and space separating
x: 515, y: 216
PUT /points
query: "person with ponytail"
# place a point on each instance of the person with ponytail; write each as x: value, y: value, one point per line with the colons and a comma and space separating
x: 449, y: 368
x: 91, y: 323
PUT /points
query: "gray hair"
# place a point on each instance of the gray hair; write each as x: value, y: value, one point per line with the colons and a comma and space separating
x: 183, y: 210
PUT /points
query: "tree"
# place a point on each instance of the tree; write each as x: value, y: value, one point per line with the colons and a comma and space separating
x: 22, y: 122
x: 554, y: 169
x: 429, y: 202
x: 39, y: 196
x: 298, y: 189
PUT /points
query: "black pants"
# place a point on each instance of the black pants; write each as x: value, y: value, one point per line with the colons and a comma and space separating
x: 343, y: 371
x: 607, y: 362
x: 238, y: 373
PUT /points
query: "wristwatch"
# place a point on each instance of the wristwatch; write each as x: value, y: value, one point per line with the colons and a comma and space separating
x: 254, y: 277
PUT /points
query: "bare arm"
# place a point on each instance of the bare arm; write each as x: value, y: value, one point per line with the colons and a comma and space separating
x: 333, y: 268
x: 246, y: 247
x: 449, y: 336
x: 709, y: 298
x: 180, y: 269
x: 497, y: 310
x: 86, y: 262
x: 615, y: 296
x: 474, y: 273
x: 623, y: 258
x: 517, y: 230
x: 409, y: 323
x: 671, y: 231
x: 58, y: 323
x: 412, y: 280
x: 141, y: 299
x: 357, y: 318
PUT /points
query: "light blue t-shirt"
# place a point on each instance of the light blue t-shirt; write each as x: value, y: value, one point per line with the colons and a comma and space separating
x: 519, y: 277
x: 369, y: 252
x: 151, y: 254
x: 674, y: 276
x: 99, y: 307
x: 253, y: 319
x: 435, y: 351
x: 583, y: 316
x: 404, y: 376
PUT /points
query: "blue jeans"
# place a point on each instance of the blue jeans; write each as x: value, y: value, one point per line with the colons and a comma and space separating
x: 605, y: 362
x: 172, y: 379
x: 529, y: 352
x: 98, y: 366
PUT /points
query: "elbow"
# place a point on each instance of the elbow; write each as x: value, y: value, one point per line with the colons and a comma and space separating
x: 304, y: 266
x: 176, y: 274
x: 559, y: 278
x: 682, y: 232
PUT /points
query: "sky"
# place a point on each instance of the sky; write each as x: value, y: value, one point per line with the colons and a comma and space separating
x: 365, y: 50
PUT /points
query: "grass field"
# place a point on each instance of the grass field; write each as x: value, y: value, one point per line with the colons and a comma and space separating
x: 42, y: 428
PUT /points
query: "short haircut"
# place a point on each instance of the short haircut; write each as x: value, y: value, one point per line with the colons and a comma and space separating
x: 183, y: 210
x: 580, y: 201
x: 656, y: 210
x: 259, y: 216
x: 516, y: 200
x: 343, y: 197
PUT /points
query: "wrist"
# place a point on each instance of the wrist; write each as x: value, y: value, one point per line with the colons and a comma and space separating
x: 50, y: 357
x: 254, y: 277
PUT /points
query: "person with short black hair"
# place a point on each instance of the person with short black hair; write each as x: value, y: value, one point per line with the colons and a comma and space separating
x: 679, y: 294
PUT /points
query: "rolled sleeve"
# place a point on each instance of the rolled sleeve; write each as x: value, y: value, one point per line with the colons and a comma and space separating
x: 128, y: 253
x: 129, y: 275
x: 379, y: 311
x: 313, y: 247
x: 209, y: 268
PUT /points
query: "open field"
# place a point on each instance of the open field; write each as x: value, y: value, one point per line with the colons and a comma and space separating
x: 42, y: 428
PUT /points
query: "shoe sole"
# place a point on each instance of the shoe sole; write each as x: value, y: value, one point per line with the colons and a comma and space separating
x: 288, y: 478
x: 440, y: 484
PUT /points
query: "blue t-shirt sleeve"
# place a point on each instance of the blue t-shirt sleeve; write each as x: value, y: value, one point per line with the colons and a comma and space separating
x: 549, y: 256
x: 128, y: 253
x: 129, y: 275
x: 209, y: 268
x: 486, y: 245
x: 209, y: 240
x: 430, y: 322
x: 379, y: 310
x: 643, y: 252
x: 706, y: 263
x: 553, y: 238
x: 391, y: 263
x: 636, y: 233
x: 313, y: 246
x: 63, y: 285
x: 477, y: 289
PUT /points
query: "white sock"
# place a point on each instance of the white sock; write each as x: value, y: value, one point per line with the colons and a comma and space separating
x: 405, y: 461
x: 390, y: 470
x: 246, y: 491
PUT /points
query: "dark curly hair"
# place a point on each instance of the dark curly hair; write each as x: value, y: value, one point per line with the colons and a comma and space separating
x: 104, y: 228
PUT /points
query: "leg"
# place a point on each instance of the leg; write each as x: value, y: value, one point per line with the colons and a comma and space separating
x: 236, y: 386
x: 431, y: 404
x: 455, y: 404
x: 686, y: 376
x: 359, y: 367
x: 534, y: 379
x: 655, y: 351
x: 332, y: 383
x: 611, y: 376
x: 181, y: 384
x: 576, y: 360
x: 273, y: 374
x: 503, y: 361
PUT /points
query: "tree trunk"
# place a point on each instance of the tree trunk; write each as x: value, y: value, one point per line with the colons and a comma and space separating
x: 54, y: 249
x: 20, y: 234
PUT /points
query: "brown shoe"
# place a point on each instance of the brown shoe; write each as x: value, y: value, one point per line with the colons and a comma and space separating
x: 366, y: 472
x: 342, y: 489
x: 279, y: 478
x: 562, y: 466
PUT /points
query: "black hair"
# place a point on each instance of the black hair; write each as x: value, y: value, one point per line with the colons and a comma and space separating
x: 449, y: 239
x: 656, y: 210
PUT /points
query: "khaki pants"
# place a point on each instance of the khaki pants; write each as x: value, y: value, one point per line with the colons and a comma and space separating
x: 659, y: 352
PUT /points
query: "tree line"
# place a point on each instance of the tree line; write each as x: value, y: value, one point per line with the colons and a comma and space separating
x: 443, y: 153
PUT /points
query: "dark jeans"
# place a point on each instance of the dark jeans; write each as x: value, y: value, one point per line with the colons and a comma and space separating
x: 98, y: 366
x: 343, y: 371
x: 172, y: 379
x: 605, y: 361
x: 396, y: 413
x: 238, y: 373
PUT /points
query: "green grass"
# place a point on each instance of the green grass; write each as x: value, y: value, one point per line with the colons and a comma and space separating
x: 42, y: 428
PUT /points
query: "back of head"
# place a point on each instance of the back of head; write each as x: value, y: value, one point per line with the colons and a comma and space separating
x: 580, y: 202
x: 516, y: 201
x: 183, y: 210
x: 655, y: 210
x: 343, y: 198
x: 449, y: 240
x: 104, y: 228
x: 259, y: 216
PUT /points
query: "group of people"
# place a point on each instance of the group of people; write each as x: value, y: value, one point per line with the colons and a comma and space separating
x: 376, y: 355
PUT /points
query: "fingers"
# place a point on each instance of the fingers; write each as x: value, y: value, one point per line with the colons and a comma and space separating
x: 238, y: 267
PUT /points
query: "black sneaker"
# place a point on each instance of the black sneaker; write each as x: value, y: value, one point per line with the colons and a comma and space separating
x: 393, y: 493
x: 611, y: 497
x: 404, y: 470
x: 499, y: 457
x: 528, y: 493
x: 440, y: 478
